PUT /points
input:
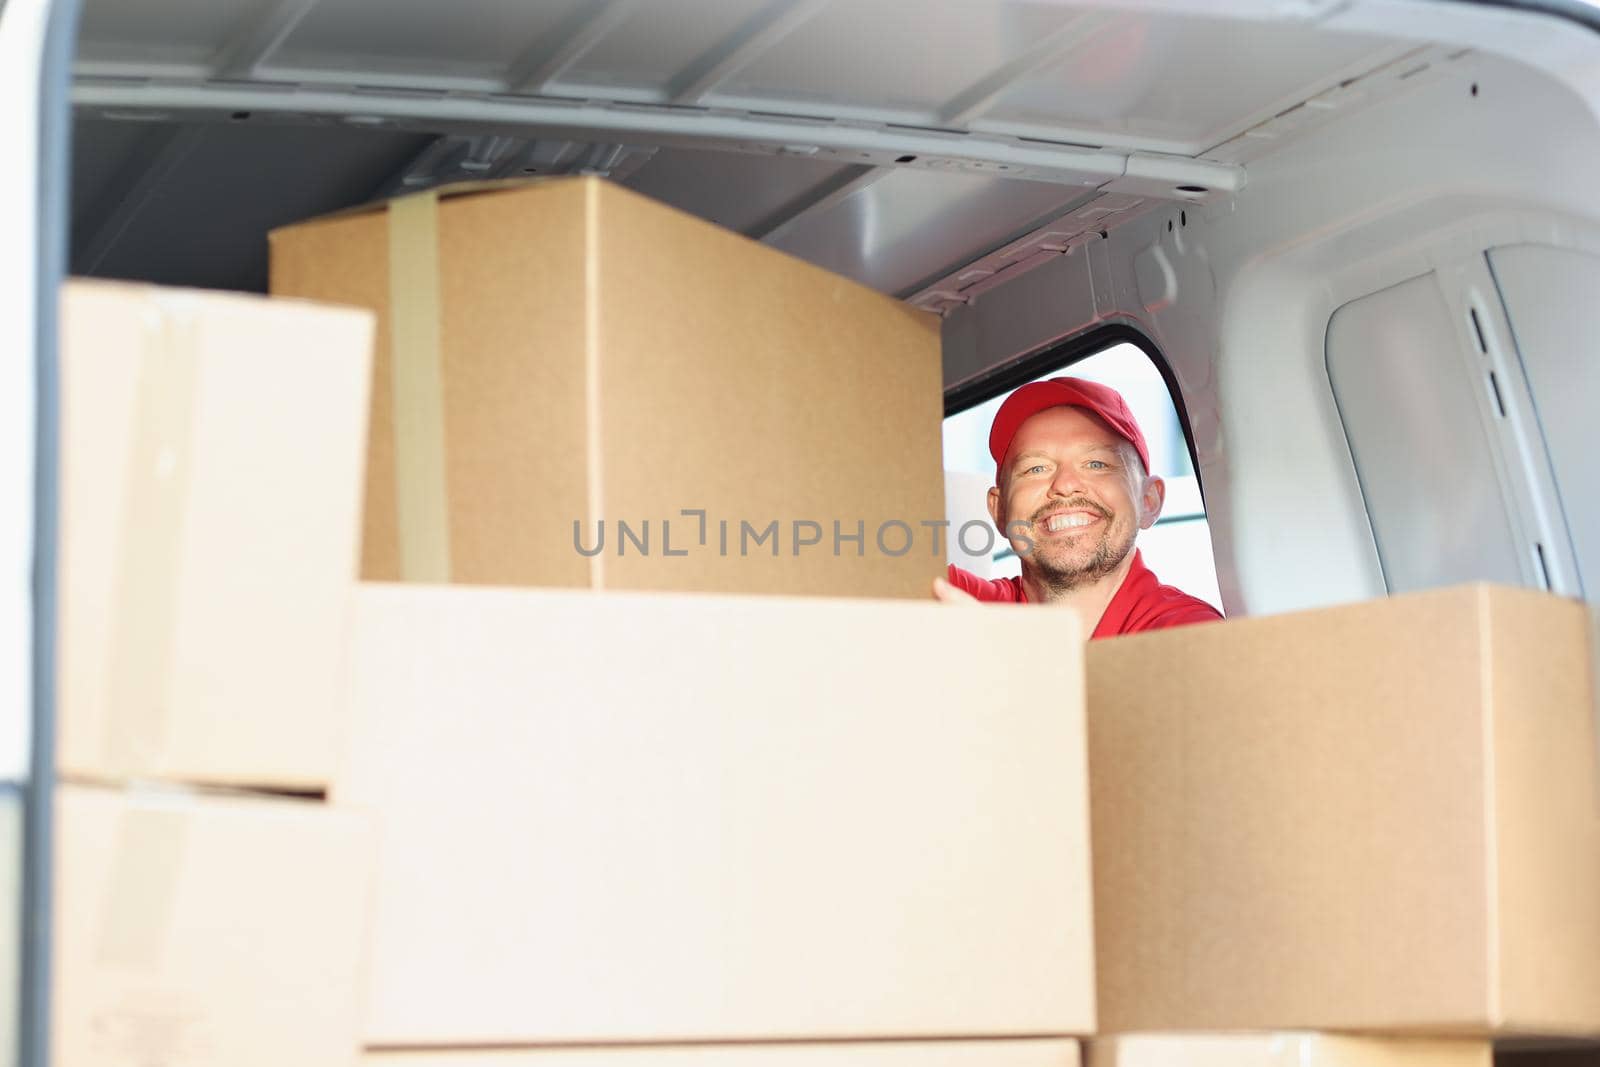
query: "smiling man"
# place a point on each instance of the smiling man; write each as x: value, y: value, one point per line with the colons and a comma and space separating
x: 1072, y: 491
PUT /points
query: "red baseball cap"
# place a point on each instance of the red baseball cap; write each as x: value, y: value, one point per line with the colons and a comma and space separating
x: 1101, y: 400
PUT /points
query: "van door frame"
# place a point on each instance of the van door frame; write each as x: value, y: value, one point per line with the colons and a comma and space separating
x: 37, y: 42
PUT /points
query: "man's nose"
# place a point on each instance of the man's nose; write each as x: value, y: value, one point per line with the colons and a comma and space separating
x: 1068, y: 481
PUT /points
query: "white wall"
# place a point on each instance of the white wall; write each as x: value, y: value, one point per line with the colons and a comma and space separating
x: 1239, y: 299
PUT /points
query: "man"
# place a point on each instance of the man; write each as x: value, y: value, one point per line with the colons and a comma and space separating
x: 1072, y: 491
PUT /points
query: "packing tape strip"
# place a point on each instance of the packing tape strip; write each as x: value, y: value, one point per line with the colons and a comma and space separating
x: 417, y: 374
x: 594, y: 471
x: 141, y: 890
x: 145, y: 602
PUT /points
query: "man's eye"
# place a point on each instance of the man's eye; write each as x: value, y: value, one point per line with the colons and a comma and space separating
x: 1099, y: 465
x: 1035, y: 468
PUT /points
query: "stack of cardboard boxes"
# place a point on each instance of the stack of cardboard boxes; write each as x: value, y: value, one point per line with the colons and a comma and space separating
x: 659, y: 819
x: 535, y: 794
x: 209, y: 906
x: 705, y: 828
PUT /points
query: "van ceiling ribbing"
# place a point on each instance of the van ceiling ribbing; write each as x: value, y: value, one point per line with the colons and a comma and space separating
x: 947, y: 102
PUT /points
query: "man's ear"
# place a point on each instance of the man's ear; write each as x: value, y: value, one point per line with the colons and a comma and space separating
x: 1150, y: 501
x: 994, y: 508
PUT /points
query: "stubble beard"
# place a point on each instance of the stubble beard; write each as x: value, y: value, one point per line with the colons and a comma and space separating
x: 1061, y: 577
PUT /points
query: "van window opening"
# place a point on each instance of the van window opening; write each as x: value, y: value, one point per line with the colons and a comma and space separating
x: 1177, y: 547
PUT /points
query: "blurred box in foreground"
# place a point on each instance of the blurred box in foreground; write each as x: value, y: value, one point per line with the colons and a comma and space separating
x: 637, y: 817
x: 194, y: 930
x: 211, y: 453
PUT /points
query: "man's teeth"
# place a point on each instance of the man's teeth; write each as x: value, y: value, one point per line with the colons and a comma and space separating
x: 1064, y: 522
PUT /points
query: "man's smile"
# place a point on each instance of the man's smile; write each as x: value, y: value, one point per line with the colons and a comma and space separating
x: 1067, y: 520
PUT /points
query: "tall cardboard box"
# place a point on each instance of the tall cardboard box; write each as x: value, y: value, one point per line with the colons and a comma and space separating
x: 565, y: 357
x: 1289, y: 1049
x: 1035, y: 1052
x: 1378, y: 817
x: 211, y: 449
x: 630, y: 817
x: 199, y: 929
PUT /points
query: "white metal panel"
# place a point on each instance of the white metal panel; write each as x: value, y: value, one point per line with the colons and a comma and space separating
x: 1068, y: 73
x: 1426, y: 465
x: 1084, y: 223
x: 1179, y: 84
x: 424, y: 41
x: 898, y: 57
x: 895, y: 233
x: 1038, y: 309
x: 159, y: 32
x: 1509, y: 418
x: 1561, y: 48
x: 1550, y: 299
x: 440, y: 112
x: 655, y: 45
x: 748, y: 193
x: 1385, y: 188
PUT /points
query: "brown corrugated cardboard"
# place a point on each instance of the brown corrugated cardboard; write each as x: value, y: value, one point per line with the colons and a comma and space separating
x: 1284, y: 1050
x: 211, y: 468
x: 199, y: 930
x: 637, y: 817
x: 565, y: 354
x: 1374, y: 817
x: 1034, y: 1052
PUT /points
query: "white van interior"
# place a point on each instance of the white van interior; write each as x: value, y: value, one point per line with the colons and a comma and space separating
x: 1358, y: 236
x: 1359, y: 240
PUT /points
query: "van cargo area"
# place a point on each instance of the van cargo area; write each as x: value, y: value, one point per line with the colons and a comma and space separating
x: 1277, y: 197
x: 475, y: 501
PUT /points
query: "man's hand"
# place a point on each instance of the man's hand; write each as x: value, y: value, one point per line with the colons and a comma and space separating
x: 946, y: 593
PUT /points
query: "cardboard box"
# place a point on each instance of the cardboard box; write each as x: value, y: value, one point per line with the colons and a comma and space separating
x: 557, y: 356
x: 647, y: 818
x: 1038, y: 1052
x: 211, y: 452
x: 1284, y: 1050
x: 1379, y: 817
x: 199, y: 930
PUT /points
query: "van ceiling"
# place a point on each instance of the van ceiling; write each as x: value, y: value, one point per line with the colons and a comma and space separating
x: 893, y: 141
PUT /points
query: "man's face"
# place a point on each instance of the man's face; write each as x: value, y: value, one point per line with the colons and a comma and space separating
x: 1083, y: 490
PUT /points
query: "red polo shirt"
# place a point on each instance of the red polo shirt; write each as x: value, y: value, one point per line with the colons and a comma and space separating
x: 1141, y: 602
